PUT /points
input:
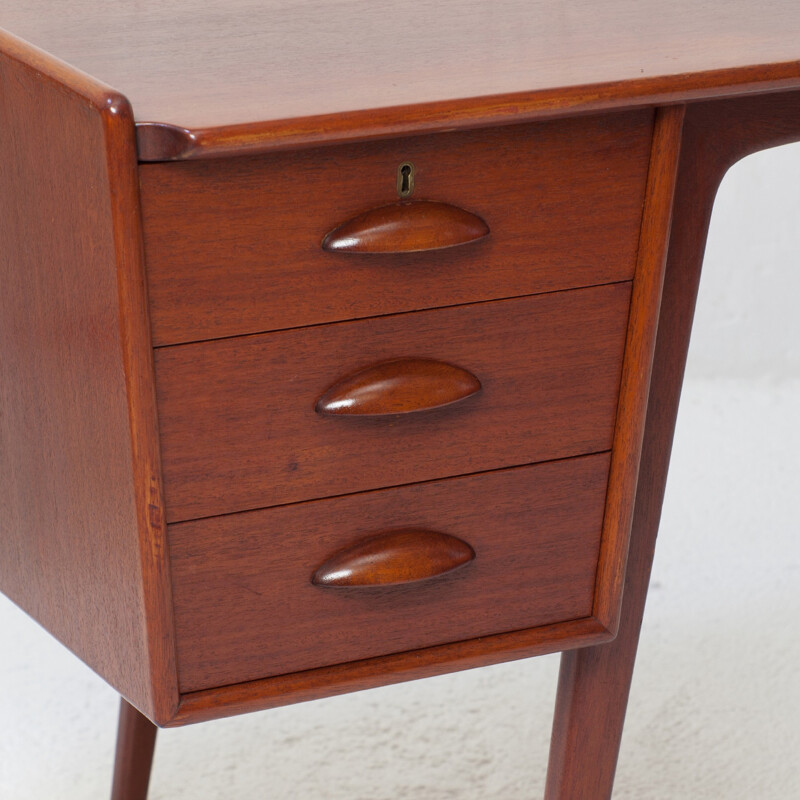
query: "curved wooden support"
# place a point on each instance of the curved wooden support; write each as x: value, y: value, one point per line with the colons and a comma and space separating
x: 407, y: 227
x: 594, y: 682
x: 399, y: 386
x: 393, y: 558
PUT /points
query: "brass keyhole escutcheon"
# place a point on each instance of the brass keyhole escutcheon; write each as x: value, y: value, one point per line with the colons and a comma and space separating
x: 405, y: 179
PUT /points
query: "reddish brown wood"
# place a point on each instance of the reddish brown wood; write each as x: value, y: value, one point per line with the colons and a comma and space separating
x: 246, y: 609
x: 594, y: 682
x: 394, y: 558
x: 399, y: 386
x: 233, y: 244
x: 136, y: 741
x: 82, y: 548
x: 163, y: 142
x: 640, y: 344
x: 275, y: 73
x: 355, y: 676
x: 239, y: 430
x: 413, y: 226
x: 137, y: 358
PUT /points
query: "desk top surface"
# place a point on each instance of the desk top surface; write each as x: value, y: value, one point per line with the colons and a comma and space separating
x: 251, y: 65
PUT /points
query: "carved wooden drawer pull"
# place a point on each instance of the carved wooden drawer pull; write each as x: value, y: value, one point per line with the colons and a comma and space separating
x: 399, y: 386
x: 406, y: 227
x: 395, y: 557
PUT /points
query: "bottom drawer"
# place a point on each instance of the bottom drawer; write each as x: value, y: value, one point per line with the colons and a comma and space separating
x: 246, y: 608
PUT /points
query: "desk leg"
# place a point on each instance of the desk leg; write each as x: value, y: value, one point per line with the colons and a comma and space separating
x: 594, y: 682
x: 593, y: 688
x: 136, y: 740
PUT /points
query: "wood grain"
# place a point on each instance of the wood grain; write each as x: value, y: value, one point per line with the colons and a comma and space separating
x: 245, y: 607
x: 233, y: 245
x: 639, y: 347
x: 594, y: 682
x: 83, y: 544
x: 239, y: 429
x: 412, y: 226
x: 355, y: 676
x: 398, y: 386
x: 160, y: 142
x: 254, y: 75
x: 394, y: 558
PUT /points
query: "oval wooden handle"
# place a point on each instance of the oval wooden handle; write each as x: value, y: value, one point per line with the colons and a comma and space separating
x: 407, y: 227
x: 394, y: 557
x: 399, y: 386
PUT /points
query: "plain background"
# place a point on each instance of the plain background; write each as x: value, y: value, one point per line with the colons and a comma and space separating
x: 748, y: 325
x: 715, y: 702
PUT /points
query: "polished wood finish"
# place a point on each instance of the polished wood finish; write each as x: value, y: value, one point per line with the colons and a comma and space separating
x: 164, y: 142
x: 83, y: 544
x: 233, y: 244
x: 246, y: 609
x: 313, y: 684
x: 414, y: 226
x: 398, y: 386
x: 239, y: 430
x: 594, y: 682
x: 233, y: 248
x: 394, y: 558
x: 639, y: 347
x: 276, y: 73
x: 136, y: 741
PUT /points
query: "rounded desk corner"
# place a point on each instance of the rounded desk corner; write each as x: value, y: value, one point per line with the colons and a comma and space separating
x: 160, y: 141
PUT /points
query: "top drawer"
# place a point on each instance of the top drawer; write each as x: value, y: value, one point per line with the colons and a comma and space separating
x: 233, y: 246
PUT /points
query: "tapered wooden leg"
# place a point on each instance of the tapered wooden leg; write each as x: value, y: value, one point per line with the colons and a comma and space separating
x: 592, y: 697
x: 594, y: 682
x: 136, y: 740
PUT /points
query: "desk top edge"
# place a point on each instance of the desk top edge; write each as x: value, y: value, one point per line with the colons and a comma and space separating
x: 159, y: 141
x: 206, y: 80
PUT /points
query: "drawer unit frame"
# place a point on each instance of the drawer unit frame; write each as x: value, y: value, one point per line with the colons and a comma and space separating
x: 138, y: 622
x: 601, y: 624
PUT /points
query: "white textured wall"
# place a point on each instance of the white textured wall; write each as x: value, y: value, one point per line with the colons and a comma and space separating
x: 748, y: 323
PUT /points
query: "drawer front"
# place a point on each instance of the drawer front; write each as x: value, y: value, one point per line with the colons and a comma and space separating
x: 233, y: 246
x: 239, y: 429
x: 245, y: 607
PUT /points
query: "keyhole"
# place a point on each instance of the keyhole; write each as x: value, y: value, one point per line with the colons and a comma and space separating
x: 405, y: 175
x: 405, y: 179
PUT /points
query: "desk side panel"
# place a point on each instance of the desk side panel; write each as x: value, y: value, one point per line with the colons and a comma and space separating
x: 74, y: 487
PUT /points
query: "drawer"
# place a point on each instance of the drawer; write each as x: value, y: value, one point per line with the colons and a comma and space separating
x: 233, y: 246
x: 239, y: 429
x: 245, y: 607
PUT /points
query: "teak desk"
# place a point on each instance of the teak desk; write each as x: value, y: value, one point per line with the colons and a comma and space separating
x: 347, y: 350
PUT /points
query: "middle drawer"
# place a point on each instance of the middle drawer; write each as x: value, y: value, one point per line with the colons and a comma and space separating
x: 239, y: 429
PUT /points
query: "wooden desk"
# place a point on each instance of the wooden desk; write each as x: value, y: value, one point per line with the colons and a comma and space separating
x: 345, y: 346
